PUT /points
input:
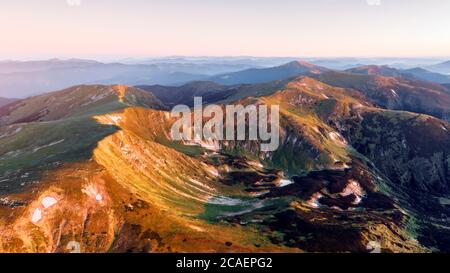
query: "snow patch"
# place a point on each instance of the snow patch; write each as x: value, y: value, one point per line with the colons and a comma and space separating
x: 109, y: 119
x: 196, y: 228
x: 255, y: 164
x: 223, y: 200
x: 337, y: 138
x: 212, y: 145
x: 7, y: 134
x: 250, y: 207
x: 200, y: 184
x: 37, y: 215
x: 95, y: 98
x: 48, y: 202
x: 394, y: 93
x: 48, y: 145
x: 314, y: 200
x: 115, y: 119
x: 213, y: 172
x: 353, y: 187
x: 285, y: 182
x: 91, y: 191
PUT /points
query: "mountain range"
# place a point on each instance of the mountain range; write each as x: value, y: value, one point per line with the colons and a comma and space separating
x: 363, y: 158
x: 384, y: 86
x: 443, y: 67
x: 25, y: 78
x: 255, y: 75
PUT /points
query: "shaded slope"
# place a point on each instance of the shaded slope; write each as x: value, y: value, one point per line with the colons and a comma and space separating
x: 395, y: 93
x: 211, y: 92
x: 173, y: 95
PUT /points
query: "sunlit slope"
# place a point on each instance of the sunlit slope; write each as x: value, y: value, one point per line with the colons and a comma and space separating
x: 142, y: 161
x: 128, y: 190
x: 41, y: 132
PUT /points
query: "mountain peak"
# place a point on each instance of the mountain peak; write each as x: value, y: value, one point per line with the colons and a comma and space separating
x: 305, y: 80
x: 300, y: 63
x: 445, y: 63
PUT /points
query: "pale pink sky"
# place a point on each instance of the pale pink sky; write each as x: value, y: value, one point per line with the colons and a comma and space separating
x: 127, y: 28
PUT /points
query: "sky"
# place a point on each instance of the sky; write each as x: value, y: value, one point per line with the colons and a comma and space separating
x: 150, y: 28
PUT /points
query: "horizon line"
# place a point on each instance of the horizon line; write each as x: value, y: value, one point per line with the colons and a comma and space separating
x: 118, y: 58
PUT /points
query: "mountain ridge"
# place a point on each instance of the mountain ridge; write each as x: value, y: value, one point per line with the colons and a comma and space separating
x: 5, y: 101
x: 282, y: 72
x: 416, y: 73
x: 443, y: 67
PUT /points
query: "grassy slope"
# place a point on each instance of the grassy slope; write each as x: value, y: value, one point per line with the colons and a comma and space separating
x: 116, y: 153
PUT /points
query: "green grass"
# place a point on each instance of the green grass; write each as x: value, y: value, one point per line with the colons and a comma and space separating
x: 30, y: 151
x: 190, y: 150
x: 246, y: 210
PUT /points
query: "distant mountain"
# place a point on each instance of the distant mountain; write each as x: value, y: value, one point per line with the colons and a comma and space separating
x: 35, y: 77
x: 30, y: 66
x: 413, y: 73
x: 23, y: 79
x: 4, y: 101
x: 376, y: 70
x: 443, y: 68
x: 251, y: 76
x: 426, y: 75
x: 228, y: 63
